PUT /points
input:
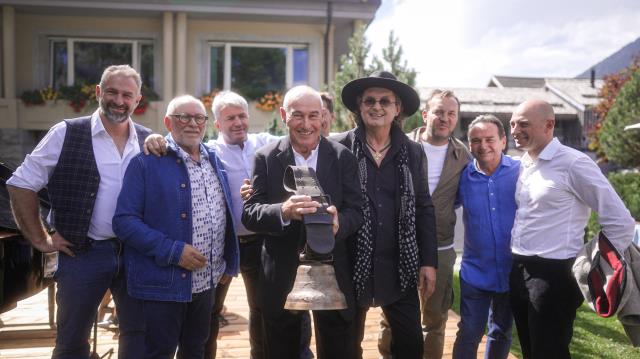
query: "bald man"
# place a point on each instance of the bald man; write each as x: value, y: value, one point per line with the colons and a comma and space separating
x: 556, y: 189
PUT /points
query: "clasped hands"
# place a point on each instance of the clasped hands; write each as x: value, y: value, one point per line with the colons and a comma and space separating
x: 298, y: 205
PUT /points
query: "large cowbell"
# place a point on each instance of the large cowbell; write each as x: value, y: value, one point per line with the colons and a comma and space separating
x: 315, y: 286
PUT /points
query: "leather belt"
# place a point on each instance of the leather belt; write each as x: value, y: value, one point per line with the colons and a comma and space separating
x: 302, y: 180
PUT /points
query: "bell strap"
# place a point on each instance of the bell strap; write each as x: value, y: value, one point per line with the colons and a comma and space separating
x: 302, y: 180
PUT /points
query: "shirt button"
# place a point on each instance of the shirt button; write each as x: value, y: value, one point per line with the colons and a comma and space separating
x: 493, y: 209
x: 184, y: 275
x: 88, y: 211
x: 183, y: 215
x: 182, y: 185
x: 92, y: 194
x: 491, y: 194
x: 379, y: 205
x: 380, y: 224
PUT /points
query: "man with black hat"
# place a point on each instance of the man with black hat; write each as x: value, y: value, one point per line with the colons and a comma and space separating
x: 396, y: 248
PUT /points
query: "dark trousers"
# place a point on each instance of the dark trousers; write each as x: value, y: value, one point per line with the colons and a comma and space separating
x: 82, y: 282
x: 250, y: 267
x: 334, y: 335
x: 178, y: 324
x: 403, y: 316
x: 544, y: 300
x: 477, y: 307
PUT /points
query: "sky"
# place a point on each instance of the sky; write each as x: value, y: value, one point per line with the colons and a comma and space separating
x: 462, y: 43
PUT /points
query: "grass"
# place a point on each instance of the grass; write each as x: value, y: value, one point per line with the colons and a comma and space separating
x: 593, y: 336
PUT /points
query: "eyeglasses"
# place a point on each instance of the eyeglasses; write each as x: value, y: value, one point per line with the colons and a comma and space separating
x: 185, y: 118
x: 371, y: 102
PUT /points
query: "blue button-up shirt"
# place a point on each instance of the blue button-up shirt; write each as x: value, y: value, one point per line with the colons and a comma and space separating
x: 489, y: 210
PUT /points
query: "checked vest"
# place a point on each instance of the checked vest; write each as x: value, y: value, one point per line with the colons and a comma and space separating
x: 74, y: 182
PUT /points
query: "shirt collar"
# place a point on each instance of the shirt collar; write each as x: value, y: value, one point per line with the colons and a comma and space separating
x: 221, y: 141
x: 550, y: 149
x: 314, y: 152
x: 505, y: 161
x: 97, y: 127
x: 204, y: 155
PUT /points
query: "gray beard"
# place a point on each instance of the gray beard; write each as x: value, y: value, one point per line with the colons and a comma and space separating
x: 113, y: 117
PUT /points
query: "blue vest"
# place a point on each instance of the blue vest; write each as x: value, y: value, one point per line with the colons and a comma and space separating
x: 74, y: 182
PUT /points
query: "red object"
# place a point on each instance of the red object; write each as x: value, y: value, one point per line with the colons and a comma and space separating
x: 607, y: 295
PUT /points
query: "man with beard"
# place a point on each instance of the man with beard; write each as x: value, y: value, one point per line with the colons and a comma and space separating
x: 82, y: 162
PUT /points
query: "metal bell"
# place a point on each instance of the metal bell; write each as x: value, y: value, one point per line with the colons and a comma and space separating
x: 315, y: 288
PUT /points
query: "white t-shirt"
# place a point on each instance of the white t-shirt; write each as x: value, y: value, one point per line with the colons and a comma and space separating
x: 435, y: 160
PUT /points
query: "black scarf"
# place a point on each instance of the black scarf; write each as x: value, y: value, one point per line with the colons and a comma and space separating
x: 408, y: 263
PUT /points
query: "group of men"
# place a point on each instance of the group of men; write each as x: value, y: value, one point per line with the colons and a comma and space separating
x: 166, y: 233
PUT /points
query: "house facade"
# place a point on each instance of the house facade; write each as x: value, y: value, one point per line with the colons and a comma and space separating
x: 258, y: 48
x: 573, y: 101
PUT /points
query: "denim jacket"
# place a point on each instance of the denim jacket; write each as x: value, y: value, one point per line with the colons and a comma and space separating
x: 153, y: 219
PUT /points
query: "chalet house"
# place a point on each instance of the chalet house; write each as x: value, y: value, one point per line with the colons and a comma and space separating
x: 198, y: 47
x: 572, y: 99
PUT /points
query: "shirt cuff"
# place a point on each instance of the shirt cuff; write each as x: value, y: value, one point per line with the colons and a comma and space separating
x: 282, y: 221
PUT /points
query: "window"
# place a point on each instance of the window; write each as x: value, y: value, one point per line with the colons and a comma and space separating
x: 254, y: 69
x: 82, y: 61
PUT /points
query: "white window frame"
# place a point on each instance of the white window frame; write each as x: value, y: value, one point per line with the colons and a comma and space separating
x: 135, y: 53
x: 226, y: 83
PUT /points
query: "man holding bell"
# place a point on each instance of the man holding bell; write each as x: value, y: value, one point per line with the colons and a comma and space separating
x: 283, y: 218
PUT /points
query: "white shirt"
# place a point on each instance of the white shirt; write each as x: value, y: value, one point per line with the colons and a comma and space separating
x: 310, y: 161
x: 435, y: 162
x: 554, y: 195
x: 238, y: 162
x: 35, y: 171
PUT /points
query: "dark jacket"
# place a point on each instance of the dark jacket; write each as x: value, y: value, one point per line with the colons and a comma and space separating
x: 337, y: 172
x: 425, y: 220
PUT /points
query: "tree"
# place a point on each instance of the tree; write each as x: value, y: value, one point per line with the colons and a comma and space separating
x: 608, y: 93
x: 392, y: 61
x: 617, y: 144
x: 353, y: 65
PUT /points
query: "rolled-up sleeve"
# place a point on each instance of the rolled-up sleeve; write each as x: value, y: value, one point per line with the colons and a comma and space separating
x: 33, y: 174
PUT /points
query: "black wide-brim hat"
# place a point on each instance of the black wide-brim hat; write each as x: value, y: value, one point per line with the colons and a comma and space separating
x: 408, y: 96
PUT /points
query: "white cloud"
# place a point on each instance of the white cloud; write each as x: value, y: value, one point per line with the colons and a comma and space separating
x: 464, y: 42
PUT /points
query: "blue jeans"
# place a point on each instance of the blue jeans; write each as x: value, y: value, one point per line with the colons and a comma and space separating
x: 476, y: 307
x: 178, y: 324
x: 82, y: 282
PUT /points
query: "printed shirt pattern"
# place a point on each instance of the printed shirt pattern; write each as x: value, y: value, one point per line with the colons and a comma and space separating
x: 208, y: 219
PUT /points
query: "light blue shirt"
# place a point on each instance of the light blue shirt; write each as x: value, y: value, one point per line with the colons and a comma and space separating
x: 238, y: 161
x: 489, y: 210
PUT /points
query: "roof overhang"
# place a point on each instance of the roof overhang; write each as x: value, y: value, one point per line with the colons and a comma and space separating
x: 289, y: 11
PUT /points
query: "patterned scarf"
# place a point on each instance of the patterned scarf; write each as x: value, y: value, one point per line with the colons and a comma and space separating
x: 408, y: 259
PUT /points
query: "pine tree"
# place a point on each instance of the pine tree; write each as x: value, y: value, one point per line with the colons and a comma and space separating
x: 353, y: 65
